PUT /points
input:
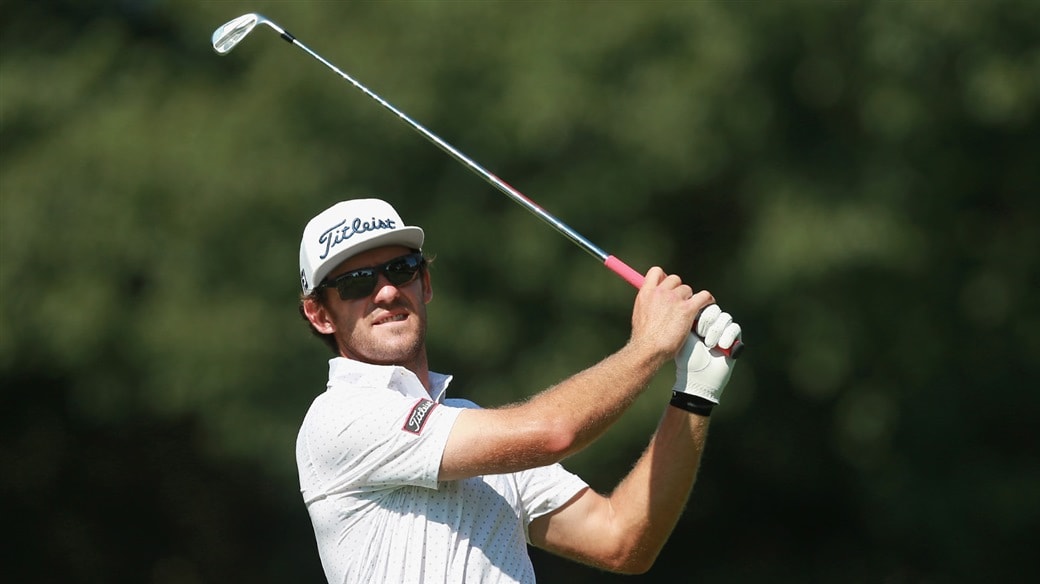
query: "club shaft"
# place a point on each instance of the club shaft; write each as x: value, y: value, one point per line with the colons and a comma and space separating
x: 617, y: 266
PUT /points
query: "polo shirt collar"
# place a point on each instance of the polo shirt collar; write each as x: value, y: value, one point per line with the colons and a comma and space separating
x: 393, y: 377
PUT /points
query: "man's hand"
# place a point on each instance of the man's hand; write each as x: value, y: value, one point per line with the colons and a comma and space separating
x: 664, y: 313
x: 700, y: 369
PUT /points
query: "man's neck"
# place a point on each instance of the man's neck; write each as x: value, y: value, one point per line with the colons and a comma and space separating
x: 421, y: 368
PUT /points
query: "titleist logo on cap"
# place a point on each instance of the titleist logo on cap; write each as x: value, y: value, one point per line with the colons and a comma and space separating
x: 343, y: 231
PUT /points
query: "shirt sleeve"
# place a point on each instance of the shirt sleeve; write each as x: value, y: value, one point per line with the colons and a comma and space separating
x: 359, y: 439
x: 546, y: 489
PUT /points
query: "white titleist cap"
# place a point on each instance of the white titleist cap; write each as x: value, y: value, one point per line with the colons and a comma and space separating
x: 347, y: 229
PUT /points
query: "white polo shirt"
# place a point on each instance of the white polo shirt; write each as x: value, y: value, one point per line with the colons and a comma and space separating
x: 368, y: 454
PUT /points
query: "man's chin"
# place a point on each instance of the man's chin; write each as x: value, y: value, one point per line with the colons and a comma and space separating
x: 397, y: 352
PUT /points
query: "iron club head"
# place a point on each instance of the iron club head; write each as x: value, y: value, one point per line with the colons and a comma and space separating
x: 228, y: 35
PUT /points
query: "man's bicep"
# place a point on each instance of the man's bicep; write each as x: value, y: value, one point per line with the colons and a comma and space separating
x: 493, y: 441
x: 472, y: 446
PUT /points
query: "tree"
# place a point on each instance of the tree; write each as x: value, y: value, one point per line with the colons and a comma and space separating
x: 854, y: 181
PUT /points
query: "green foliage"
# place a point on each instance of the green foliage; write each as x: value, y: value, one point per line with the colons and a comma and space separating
x: 855, y: 181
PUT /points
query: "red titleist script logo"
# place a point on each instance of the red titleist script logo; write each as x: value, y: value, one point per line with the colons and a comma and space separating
x: 417, y: 418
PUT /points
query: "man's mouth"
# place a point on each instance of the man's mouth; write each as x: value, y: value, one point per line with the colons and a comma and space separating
x: 391, y: 318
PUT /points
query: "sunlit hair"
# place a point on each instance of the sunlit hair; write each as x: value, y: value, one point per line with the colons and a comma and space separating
x: 320, y: 295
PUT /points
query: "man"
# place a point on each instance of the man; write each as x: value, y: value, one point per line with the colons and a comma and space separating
x: 405, y: 485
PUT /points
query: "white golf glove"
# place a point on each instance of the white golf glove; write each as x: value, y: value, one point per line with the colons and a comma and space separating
x: 701, y: 370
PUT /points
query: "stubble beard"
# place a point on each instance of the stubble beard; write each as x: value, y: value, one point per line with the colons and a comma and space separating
x: 404, y: 348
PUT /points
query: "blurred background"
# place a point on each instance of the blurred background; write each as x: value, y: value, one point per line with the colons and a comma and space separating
x: 857, y: 182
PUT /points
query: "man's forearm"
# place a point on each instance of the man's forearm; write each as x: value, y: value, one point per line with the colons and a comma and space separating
x: 648, y: 502
x: 591, y: 401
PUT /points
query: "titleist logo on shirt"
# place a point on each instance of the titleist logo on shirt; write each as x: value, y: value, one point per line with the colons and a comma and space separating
x: 417, y: 418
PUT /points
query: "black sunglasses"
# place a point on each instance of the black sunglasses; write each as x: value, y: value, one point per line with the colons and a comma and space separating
x: 361, y: 282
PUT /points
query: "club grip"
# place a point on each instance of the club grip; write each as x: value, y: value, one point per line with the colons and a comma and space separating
x: 636, y: 280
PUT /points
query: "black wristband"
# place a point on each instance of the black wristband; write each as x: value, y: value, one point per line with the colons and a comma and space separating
x: 694, y: 404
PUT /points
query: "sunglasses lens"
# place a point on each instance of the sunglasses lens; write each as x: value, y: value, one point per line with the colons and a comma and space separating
x: 403, y: 270
x: 358, y: 285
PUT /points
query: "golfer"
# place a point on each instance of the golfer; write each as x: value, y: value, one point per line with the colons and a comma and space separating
x: 404, y: 484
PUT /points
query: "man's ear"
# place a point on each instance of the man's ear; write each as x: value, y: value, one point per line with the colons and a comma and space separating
x: 427, y: 286
x: 318, y: 316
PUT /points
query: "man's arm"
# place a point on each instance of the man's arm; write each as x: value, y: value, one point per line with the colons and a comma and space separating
x: 567, y: 417
x: 626, y: 530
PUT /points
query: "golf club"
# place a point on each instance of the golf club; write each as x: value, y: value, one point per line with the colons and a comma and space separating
x: 229, y: 35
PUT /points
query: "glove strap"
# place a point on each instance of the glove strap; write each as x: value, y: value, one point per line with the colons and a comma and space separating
x: 694, y: 404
